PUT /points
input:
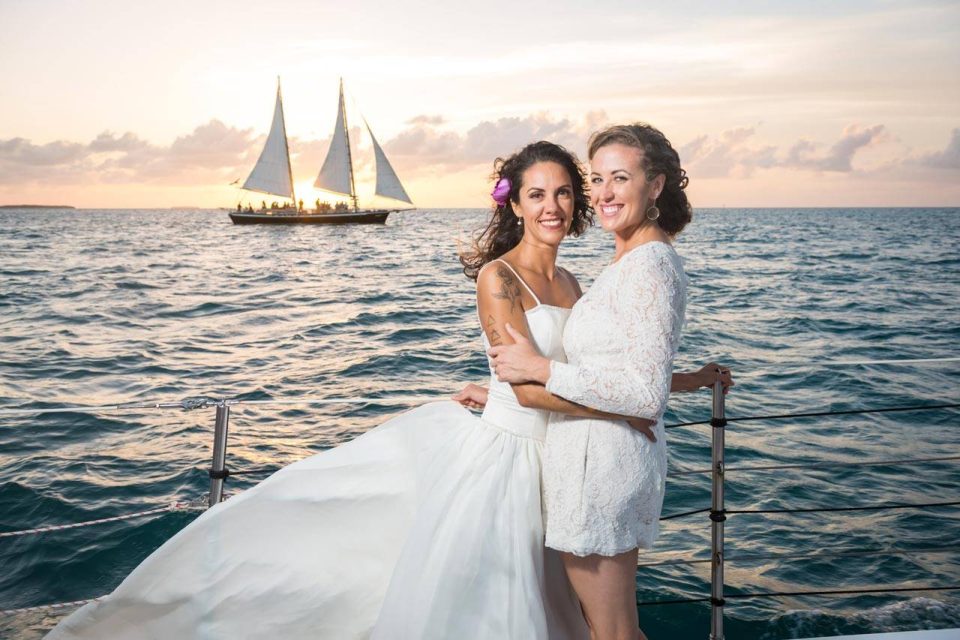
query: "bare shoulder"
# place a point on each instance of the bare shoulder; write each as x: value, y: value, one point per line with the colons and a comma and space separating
x: 571, y: 281
x: 498, y: 282
x: 499, y: 303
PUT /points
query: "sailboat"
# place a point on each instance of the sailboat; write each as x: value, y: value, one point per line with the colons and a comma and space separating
x: 273, y: 175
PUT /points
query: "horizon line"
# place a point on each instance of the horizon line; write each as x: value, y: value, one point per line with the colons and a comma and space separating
x: 725, y: 206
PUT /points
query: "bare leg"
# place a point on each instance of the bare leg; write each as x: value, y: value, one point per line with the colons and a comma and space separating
x: 606, y: 587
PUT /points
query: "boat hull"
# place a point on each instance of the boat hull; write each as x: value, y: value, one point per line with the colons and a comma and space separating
x: 378, y: 216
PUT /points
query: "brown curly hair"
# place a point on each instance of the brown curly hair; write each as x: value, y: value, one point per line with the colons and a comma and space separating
x: 503, y: 231
x: 659, y: 157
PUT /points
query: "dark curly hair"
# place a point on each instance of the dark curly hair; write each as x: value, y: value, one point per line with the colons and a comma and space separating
x: 659, y: 157
x: 503, y: 231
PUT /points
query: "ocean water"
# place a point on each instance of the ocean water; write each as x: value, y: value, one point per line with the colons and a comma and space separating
x: 111, y: 306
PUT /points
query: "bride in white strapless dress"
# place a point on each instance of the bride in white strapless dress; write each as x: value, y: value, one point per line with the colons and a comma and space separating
x: 428, y: 526
x: 445, y: 503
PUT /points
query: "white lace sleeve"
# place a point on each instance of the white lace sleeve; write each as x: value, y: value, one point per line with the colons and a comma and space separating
x: 631, y: 364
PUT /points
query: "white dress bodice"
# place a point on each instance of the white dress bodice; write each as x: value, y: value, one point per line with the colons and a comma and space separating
x: 545, y: 324
x: 503, y: 410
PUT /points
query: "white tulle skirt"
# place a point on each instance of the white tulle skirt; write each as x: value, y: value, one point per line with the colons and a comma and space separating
x: 428, y: 526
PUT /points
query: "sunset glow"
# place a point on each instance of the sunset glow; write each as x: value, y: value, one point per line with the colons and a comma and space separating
x: 819, y: 104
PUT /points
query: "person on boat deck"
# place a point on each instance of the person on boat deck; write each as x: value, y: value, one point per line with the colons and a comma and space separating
x: 263, y: 205
x: 300, y: 205
x: 239, y: 208
x: 318, y: 205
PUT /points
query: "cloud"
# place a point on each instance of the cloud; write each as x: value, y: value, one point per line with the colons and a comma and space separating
x: 949, y: 158
x: 425, y: 119
x: 215, y: 153
x: 207, y: 154
x: 107, y: 142
x: 19, y: 151
x: 424, y: 143
x: 490, y: 139
x: 734, y: 154
x: 840, y: 155
x: 729, y: 154
x: 213, y: 142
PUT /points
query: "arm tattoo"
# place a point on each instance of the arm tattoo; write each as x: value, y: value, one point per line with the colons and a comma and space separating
x: 509, y: 287
x: 495, y: 337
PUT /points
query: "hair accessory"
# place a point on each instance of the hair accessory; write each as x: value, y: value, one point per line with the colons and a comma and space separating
x: 501, y: 192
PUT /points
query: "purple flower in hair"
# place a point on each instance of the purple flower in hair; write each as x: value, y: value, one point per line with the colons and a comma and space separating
x: 501, y: 192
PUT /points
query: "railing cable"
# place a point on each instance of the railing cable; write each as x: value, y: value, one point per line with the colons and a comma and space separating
x: 840, y: 553
x: 879, y: 507
x: 781, y: 366
x: 845, y: 413
x: 821, y: 465
x: 777, y: 594
x: 815, y: 414
x: 175, y: 506
x: 246, y: 472
x: 684, y: 513
x: 188, y: 404
x: 49, y: 607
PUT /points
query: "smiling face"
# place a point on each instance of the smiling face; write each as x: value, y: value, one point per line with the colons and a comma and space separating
x: 619, y: 190
x: 546, y: 203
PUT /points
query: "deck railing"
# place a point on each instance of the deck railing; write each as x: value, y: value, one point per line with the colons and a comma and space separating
x: 717, y: 512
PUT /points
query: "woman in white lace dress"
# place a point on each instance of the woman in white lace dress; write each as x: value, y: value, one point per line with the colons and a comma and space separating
x: 603, y: 480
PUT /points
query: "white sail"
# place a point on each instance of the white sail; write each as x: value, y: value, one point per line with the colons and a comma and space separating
x: 388, y: 184
x: 272, y: 172
x: 335, y: 175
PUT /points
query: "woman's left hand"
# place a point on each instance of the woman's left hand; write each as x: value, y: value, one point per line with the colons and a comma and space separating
x: 644, y: 426
x: 711, y: 373
x: 472, y: 396
x: 519, y: 362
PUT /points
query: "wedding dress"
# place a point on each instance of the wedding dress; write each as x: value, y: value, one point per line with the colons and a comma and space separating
x: 428, y: 526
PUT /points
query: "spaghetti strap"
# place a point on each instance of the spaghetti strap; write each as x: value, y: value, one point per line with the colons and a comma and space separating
x: 525, y: 285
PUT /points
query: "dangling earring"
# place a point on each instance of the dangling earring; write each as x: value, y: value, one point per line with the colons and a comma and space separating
x: 653, y: 213
x: 520, y: 221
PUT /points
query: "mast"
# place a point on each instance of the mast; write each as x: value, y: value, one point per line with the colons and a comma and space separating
x: 286, y: 145
x: 272, y: 174
x: 337, y: 174
x: 346, y: 135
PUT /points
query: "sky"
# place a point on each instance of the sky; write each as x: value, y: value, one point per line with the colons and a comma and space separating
x: 814, y: 103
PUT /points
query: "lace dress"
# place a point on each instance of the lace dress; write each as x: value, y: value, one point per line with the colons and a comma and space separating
x: 603, y: 481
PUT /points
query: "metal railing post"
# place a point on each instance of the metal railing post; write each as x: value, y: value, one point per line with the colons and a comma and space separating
x: 218, y: 469
x: 717, y: 514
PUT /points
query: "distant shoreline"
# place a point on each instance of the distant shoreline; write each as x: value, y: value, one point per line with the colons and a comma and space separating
x: 36, y: 206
